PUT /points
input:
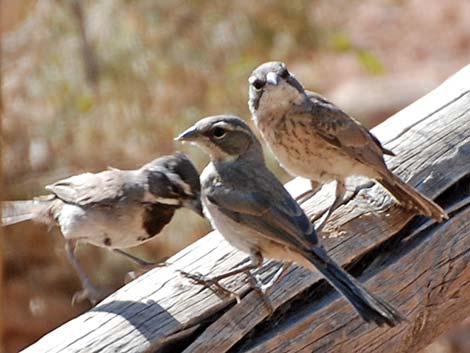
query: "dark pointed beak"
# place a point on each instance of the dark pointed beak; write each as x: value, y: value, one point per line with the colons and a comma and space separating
x: 190, y: 134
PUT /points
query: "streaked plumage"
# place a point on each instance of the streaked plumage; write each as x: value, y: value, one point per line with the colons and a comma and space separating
x: 314, y: 139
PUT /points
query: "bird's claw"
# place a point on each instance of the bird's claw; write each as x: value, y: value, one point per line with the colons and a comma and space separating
x: 263, y: 290
x: 148, y: 265
x: 211, y: 283
x: 90, y: 293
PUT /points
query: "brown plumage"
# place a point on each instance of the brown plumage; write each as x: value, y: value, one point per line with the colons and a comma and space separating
x: 314, y: 139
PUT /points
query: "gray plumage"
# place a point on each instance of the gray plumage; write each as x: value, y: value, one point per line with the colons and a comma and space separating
x: 314, y: 139
x: 250, y: 207
x: 116, y: 209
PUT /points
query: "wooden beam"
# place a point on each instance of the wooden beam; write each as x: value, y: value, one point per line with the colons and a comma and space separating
x: 420, y: 267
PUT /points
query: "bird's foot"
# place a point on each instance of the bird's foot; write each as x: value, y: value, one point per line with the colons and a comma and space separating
x: 139, y: 261
x: 341, y: 201
x: 148, y: 265
x: 263, y: 290
x: 132, y: 275
x: 212, y: 283
x: 353, y: 193
x: 90, y: 293
x: 304, y: 197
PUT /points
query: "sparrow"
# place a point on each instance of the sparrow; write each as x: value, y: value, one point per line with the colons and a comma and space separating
x: 114, y: 209
x: 314, y: 139
x: 253, y: 211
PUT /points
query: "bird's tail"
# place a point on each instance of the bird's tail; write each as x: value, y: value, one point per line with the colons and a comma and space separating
x: 20, y: 211
x: 369, y: 306
x: 412, y: 199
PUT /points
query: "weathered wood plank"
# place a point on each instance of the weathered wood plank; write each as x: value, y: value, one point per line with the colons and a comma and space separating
x: 428, y: 283
x: 431, y: 138
x: 158, y: 310
x: 142, y: 315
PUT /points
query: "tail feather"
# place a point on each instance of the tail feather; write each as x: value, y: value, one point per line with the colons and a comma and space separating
x: 412, y: 199
x: 370, y: 307
x: 20, y: 211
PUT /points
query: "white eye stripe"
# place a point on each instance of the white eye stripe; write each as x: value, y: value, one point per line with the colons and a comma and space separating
x: 224, y: 126
x: 229, y: 127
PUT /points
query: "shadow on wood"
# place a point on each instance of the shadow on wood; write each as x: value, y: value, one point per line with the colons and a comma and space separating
x: 420, y: 267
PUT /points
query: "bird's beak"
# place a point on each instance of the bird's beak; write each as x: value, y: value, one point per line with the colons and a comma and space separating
x: 195, y: 205
x: 190, y: 134
x: 272, y: 78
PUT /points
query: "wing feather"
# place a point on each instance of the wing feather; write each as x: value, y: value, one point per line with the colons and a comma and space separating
x: 281, y: 220
x: 85, y: 189
x: 344, y: 132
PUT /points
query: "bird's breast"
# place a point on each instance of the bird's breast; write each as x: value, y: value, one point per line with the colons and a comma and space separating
x: 120, y: 226
x: 236, y: 234
x: 249, y: 240
x: 304, y: 153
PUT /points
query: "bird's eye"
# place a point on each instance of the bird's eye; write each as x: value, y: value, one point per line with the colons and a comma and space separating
x: 258, y: 84
x: 284, y: 74
x: 218, y: 132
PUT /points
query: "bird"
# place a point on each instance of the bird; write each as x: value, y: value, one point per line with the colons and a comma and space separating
x: 250, y: 207
x: 114, y: 209
x: 314, y: 139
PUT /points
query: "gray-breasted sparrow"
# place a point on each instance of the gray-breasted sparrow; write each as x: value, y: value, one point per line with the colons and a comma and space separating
x: 250, y: 207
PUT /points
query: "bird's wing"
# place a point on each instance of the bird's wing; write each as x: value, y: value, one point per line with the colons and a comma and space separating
x: 344, y: 132
x: 86, y: 189
x: 279, y: 219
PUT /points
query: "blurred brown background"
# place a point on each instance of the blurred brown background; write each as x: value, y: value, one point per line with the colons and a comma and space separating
x: 91, y: 84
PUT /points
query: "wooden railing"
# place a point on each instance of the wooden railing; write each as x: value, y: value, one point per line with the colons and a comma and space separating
x: 421, y: 267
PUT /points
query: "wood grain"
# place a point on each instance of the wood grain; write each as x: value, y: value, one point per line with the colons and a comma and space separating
x: 420, y: 267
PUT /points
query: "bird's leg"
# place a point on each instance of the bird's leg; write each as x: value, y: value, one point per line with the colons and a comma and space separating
x: 303, y: 197
x: 144, y: 264
x: 138, y: 260
x: 356, y: 190
x: 339, y: 196
x: 341, y: 200
x: 256, y: 260
x: 89, y: 291
x: 265, y: 289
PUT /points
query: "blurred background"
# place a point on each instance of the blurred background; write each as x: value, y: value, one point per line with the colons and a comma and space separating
x: 91, y: 84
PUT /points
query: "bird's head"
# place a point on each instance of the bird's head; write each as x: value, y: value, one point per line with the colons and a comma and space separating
x: 174, y: 180
x: 224, y: 138
x: 273, y: 90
